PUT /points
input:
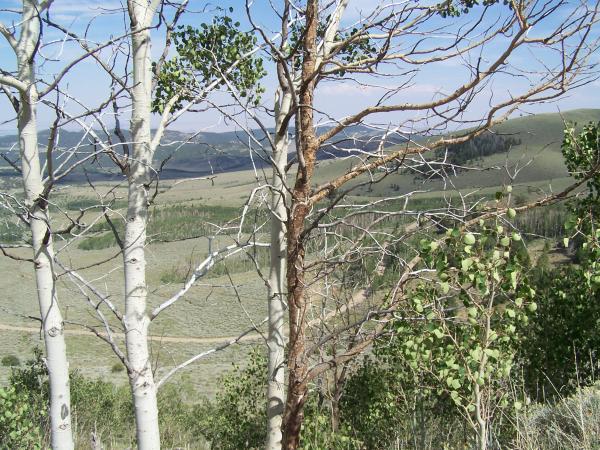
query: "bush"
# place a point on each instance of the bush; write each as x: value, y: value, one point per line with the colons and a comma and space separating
x: 11, y: 361
x: 234, y: 420
x: 562, y: 345
x: 104, y: 407
x: 97, y: 406
x: 117, y: 367
x: 19, y: 427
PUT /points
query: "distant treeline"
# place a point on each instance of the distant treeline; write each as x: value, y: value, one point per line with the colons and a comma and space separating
x: 477, y: 148
x: 460, y: 155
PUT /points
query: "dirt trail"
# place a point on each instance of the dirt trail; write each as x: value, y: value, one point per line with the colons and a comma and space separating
x: 173, y: 339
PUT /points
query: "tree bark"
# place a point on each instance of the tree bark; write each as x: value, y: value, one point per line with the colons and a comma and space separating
x: 297, y: 363
x: 136, y: 320
x: 276, y: 301
x: 43, y: 253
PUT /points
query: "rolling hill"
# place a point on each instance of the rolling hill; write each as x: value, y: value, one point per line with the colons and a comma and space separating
x: 538, y: 154
x: 537, y: 160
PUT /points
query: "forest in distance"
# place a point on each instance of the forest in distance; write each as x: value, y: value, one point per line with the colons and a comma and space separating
x: 274, y: 225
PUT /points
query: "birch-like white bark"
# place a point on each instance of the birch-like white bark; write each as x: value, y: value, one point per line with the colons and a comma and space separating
x: 136, y: 320
x: 276, y: 291
x: 43, y: 253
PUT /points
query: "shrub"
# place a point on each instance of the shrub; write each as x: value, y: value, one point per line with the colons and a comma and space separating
x: 117, y: 367
x: 19, y: 427
x: 97, y: 406
x: 561, y: 348
x: 11, y: 361
x: 234, y: 420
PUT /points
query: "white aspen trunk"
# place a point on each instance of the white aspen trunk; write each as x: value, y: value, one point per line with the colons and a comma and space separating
x: 43, y: 254
x: 136, y: 320
x: 277, y: 273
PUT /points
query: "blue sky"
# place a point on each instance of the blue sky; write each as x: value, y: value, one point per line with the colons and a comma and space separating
x: 90, y: 85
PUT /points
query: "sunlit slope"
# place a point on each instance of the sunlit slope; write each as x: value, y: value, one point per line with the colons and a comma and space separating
x: 536, y: 162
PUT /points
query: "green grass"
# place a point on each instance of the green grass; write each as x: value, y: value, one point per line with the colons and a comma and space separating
x: 240, y: 263
x: 167, y: 223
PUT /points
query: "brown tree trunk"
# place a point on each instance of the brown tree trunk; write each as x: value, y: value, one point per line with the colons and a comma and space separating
x: 297, y: 302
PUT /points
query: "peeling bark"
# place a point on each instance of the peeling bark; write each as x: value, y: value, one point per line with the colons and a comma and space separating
x: 297, y: 363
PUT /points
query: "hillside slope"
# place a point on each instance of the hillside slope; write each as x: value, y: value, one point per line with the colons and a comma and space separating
x: 538, y: 159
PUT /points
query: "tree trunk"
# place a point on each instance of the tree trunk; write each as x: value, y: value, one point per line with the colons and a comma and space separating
x: 43, y: 252
x: 276, y: 337
x: 136, y: 320
x: 297, y: 363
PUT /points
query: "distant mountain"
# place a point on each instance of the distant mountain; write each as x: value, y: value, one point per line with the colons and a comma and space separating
x: 187, y: 154
x: 191, y: 155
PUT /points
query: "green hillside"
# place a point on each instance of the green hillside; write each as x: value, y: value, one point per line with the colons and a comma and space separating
x: 537, y: 159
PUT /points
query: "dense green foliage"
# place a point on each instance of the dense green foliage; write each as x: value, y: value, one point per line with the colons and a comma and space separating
x: 233, y: 420
x: 214, y: 55
x: 167, y: 224
x: 98, y: 406
x: 563, y: 346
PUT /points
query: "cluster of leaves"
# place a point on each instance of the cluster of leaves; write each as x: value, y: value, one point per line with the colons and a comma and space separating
x: 472, y: 308
x: 387, y: 402
x: 454, y: 8
x: 582, y: 157
x: 98, y: 406
x: 358, y: 46
x: 561, y: 348
x: 234, y: 420
x: 18, y: 427
x: 213, y: 53
x: 23, y: 414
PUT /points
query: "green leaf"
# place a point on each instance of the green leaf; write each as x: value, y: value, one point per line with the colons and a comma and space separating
x: 492, y: 353
x: 469, y: 239
x: 445, y: 287
x: 466, y: 264
x: 518, y: 405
